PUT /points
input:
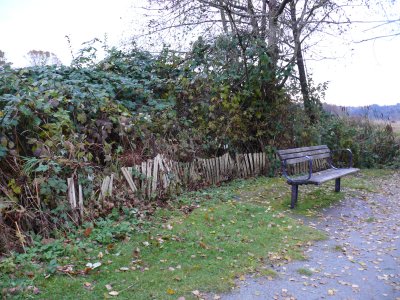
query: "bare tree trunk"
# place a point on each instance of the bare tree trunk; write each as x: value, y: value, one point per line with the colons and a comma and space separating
x: 270, y: 88
x: 308, y: 105
x: 264, y: 19
x: 253, y: 19
x: 273, y: 50
x: 223, y: 19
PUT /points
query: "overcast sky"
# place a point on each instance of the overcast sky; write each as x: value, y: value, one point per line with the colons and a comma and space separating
x: 361, y: 74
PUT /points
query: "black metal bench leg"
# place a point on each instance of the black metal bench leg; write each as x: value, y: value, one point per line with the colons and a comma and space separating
x: 295, y: 193
x: 337, y: 185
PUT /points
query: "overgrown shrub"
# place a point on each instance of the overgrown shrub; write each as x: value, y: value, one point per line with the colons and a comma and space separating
x: 372, y: 143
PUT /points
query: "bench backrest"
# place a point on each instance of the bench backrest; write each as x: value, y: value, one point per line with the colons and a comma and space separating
x: 297, y: 155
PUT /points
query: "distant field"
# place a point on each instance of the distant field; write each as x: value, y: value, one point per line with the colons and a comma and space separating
x: 396, y: 127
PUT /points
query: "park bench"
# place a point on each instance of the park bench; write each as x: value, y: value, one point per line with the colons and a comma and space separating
x: 312, y: 165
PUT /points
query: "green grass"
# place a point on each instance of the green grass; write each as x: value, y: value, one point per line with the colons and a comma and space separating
x: 236, y: 229
x: 370, y: 220
x: 275, y: 193
x: 305, y: 272
x: 338, y: 248
x: 363, y: 180
x: 204, y: 251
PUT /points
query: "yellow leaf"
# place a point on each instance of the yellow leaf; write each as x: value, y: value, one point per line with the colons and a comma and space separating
x: 242, y: 278
x: 170, y: 291
x: 203, y: 245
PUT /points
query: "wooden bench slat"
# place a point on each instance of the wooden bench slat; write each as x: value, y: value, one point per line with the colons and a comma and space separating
x: 302, y: 149
x: 323, y: 176
x: 320, y: 177
x: 303, y: 159
x: 308, y: 153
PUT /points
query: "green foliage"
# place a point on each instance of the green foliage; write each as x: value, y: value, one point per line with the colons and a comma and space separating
x: 53, y: 252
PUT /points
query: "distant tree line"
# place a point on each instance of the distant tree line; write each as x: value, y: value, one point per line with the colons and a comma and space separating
x: 378, y: 112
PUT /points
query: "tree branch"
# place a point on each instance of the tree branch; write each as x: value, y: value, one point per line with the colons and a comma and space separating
x: 378, y: 37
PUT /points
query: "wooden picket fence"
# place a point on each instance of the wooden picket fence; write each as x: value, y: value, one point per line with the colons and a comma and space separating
x: 160, y: 176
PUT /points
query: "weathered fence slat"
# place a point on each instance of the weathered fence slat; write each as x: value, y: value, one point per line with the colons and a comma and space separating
x: 80, y: 201
x: 71, y: 192
x: 127, y: 172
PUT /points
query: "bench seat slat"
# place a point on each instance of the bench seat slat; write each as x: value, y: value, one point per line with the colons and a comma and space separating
x: 308, y: 153
x: 303, y: 159
x: 326, y: 175
x: 302, y: 149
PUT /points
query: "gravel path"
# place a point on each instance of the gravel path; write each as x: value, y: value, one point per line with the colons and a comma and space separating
x: 360, y: 259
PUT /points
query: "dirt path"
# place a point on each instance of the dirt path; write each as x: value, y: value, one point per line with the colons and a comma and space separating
x: 360, y: 259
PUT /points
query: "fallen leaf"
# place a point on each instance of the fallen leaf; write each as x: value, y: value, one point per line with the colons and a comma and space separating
x: 136, y: 253
x: 203, y: 245
x: 113, y: 293
x: 170, y: 292
x: 93, y: 266
x: 196, y: 293
x: 108, y: 287
x: 124, y: 269
x: 87, y: 284
x: 331, y: 292
x: 242, y: 278
x: 87, y: 231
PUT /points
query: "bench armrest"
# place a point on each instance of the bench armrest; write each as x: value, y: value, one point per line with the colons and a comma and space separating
x: 350, y: 157
x: 291, y: 180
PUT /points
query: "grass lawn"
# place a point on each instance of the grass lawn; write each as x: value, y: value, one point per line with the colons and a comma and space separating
x: 233, y: 230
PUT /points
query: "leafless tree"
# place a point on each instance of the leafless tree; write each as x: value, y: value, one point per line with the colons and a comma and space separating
x: 3, y: 60
x: 42, y: 58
